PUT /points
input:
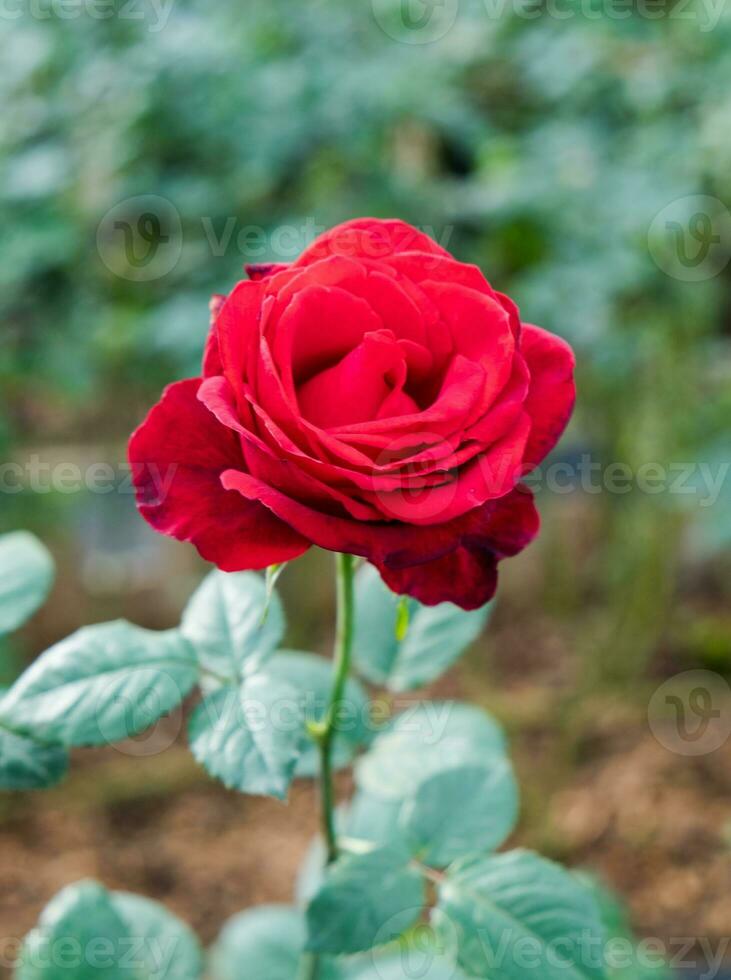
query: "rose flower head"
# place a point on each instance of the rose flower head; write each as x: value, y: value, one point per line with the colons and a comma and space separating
x: 375, y: 397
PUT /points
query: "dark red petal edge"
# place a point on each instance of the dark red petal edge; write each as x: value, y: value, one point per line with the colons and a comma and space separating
x: 177, y: 456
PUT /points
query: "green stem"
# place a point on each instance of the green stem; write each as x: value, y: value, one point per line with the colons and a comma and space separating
x: 309, y: 967
x: 329, y: 725
x: 325, y: 731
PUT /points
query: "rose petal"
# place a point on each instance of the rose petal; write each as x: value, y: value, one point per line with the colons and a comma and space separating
x: 455, y: 406
x: 262, y: 270
x: 376, y: 541
x: 237, y: 327
x: 489, y: 475
x: 216, y: 395
x: 319, y: 327
x: 177, y: 456
x: 480, y: 329
x: 370, y: 238
x: 552, y: 391
x: 467, y: 576
x: 212, y: 363
x: 356, y: 388
x: 509, y: 525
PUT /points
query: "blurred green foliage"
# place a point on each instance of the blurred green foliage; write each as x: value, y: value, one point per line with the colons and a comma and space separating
x: 540, y: 140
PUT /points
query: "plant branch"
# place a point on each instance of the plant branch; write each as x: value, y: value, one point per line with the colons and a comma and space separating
x: 325, y: 731
x: 329, y: 726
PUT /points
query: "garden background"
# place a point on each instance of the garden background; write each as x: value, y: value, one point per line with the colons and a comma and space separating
x: 579, y: 152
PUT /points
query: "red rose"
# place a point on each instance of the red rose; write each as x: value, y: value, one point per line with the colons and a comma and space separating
x: 375, y: 397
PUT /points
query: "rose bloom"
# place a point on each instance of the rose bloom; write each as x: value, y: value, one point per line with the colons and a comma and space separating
x: 375, y: 397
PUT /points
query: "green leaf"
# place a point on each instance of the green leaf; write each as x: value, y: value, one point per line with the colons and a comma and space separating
x: 514, y: 909
x: 27, y: 764
x: 403, y: 617
x: 226, y: 623
x: 311, y: 675
x: 365, y: 900
x: 167, y: 948
x: 459, y: 811
x: 249, y: 736
x: 425, y: 739
x: 370, y: 818
x: 101, y: 684
x: 409, y: 964
x: 624, y: 959
x: 265, y: 942
x: 80, y: 936
x: 26, y: 574
x: 402, y: 644
x: 364, y: 821
x: 89, y: 933
x: 439, y: 778
x: 271, y: 577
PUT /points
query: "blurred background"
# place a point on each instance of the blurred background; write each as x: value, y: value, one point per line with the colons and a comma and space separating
x: 580, y: 152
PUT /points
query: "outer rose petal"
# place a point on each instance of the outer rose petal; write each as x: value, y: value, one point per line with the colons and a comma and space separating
x: 552, y: 391
x: 413, y: 559
x: 237, y: 325
x: 468, y: 575
x: 177, y: 456
x: 465, y: 577
x: 370, y: 238
x: 212, y: 355
x: 262, y: 270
